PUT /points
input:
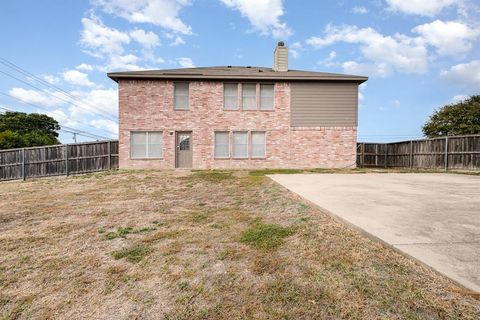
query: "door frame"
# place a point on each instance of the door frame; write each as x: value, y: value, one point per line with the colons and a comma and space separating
x: 177, y: 148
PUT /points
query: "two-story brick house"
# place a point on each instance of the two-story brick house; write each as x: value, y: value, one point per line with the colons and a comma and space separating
x: 237, y: 117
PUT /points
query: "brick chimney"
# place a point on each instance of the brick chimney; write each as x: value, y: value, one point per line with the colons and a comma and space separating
x: 280, y: 57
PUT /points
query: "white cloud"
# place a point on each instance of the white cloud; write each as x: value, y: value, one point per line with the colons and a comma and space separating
x: 90, y: 103
x: 361, y: 94
x: 35, y: 97
x: 95, y: 36
x: 359, y: 10
x: 403, y: 53
x: 263, y: 15
x: 459, y: 97
x: 467, y: 75
x: 381, y: 70
x: 163, y: 13
x: 108, y: 125
x: 295, y: 49
x: 61, y: 117
x: 178, y: 41
x: 450, y: 38
x: 51, y: 79
x: 78, y: 78
x: 147, y: 40
x: 421, y: 7
x: 85, y: 67
x: 330, y: 60
x: 185, y: 62
x: 121, y: 62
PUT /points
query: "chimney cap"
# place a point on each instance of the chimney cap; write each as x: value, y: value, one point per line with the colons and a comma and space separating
x: 280, y: 44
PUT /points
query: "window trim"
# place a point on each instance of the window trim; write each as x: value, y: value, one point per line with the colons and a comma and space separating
x: 239, y: 98
x: 175, y: 96
x: 231, y: 143
x: 260, y: 97
x: 229, y: 151
x: 264, y: 144
x: 247, y: 156
x: 256, y: 97
x: 146, y: 157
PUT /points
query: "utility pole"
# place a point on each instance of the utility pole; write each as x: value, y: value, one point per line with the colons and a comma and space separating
x: 75, y: 137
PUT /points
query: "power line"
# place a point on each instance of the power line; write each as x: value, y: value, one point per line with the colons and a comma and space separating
x: 67, y: 129
x: 60, y: 98
x: 46, y: 109
x: 27, y: 73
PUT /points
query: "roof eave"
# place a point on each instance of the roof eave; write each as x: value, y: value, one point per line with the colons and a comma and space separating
x: 117, y: 76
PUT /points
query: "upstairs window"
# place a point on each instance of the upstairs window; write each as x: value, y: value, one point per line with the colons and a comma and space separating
x: 181, y: 95
x: 249, y: 96
x: 266, y: 97
x: 230, y: 96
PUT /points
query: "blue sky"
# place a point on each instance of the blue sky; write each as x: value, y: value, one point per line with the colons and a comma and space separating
x: 418, y: 54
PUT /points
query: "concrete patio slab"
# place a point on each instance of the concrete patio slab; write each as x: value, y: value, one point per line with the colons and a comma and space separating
x: 434, y: 218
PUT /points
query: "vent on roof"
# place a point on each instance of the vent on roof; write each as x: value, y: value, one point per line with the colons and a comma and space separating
x: 249, y: 67
x: 229, y: 66
x: 260, y: 70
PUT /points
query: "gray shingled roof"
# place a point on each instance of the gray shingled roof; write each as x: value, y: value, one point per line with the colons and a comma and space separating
x: 235, y: 73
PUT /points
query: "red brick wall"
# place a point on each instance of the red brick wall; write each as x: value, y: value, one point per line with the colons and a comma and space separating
x: 148, y: 106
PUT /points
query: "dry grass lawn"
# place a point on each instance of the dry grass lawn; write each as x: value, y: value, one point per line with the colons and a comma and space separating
x: 199, y: 245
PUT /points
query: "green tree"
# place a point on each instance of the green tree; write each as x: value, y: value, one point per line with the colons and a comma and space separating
x: 460, y: 118
x: 19, y: 130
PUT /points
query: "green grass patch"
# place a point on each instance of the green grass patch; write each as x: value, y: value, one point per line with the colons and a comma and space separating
x: 212, y: 175
x: 132, y: 254
x: 123, y: 232
x: 265, y: 236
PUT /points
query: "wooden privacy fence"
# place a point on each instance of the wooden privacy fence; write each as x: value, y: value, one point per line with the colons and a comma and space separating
x: 63, y: 159
x: 455, y: 152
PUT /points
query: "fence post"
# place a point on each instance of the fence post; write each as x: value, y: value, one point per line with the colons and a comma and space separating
x: 446, y: 152
x: 363, y: 155
x: 23, y: 164
x: 411, y: 154
x: 66, y: 160
x: 109, y: 156
x: 386, y: 154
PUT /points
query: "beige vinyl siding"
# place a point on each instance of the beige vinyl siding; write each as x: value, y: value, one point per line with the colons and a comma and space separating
x: 324, y: 104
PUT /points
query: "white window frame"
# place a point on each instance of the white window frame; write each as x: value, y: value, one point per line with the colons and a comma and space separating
x: 146, y: 145
x: 237, y: 105
x: 260, y: 97
x: 256, y: 96
x: 183, y: 108
x: 246, y: 144
x: 228, y: 156
x: 264, y: 144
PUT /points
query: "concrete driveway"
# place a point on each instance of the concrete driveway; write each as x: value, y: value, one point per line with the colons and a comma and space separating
x: 434, y: 218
